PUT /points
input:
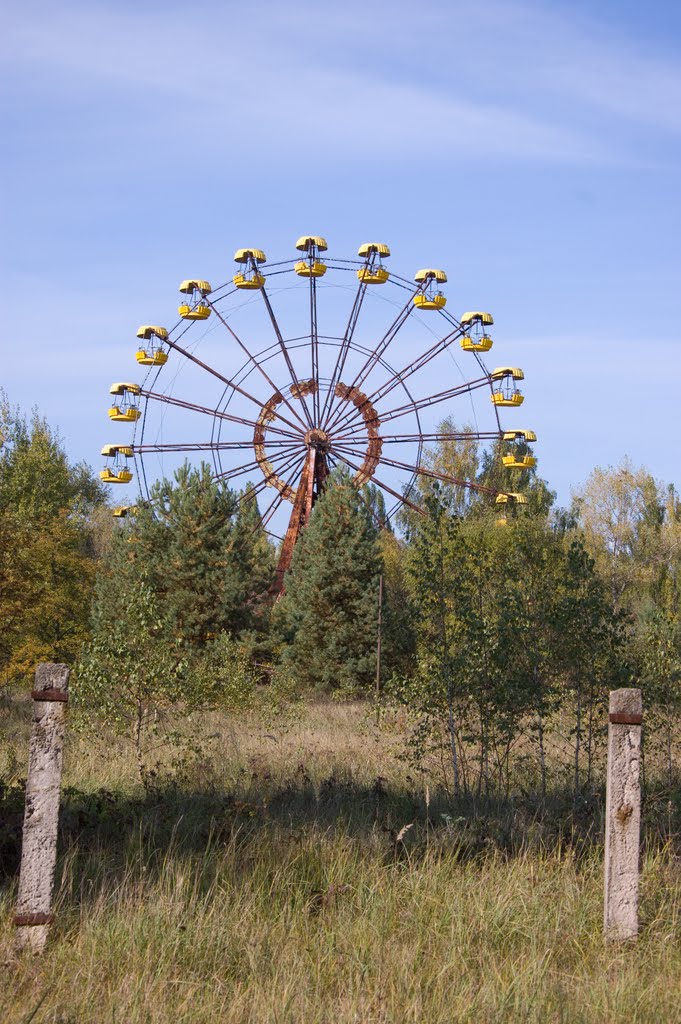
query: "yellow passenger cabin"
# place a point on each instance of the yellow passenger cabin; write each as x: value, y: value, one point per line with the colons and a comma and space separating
x: 250, y: 277
x: 194, y: 307
x: 152, y: 354
x: 504, y: 501
x: 430, y: 297
x: 123, y: 511
x: 476, y: 338
x: 374, y: 272
x: 506, y: 393
x: 125, y: 406
x: 519, y: 459
x: 312, y: 266
x: 116, y: 470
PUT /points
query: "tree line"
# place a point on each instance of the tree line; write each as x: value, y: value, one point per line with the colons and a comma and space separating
x: 495, y: 639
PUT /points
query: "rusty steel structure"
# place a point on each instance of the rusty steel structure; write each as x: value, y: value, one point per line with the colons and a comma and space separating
x: 296, y: 404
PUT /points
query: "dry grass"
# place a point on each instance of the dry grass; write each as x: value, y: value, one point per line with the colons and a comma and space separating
x: 270, y: 885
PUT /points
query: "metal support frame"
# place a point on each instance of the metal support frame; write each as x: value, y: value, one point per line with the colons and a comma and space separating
x: 297, y: 441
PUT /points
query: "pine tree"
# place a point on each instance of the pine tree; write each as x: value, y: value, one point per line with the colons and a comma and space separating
x: 204, y: 555
x: 328, y: 614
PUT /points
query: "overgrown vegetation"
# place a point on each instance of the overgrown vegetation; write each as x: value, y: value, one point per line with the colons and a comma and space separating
x: 300, y: 870
x: 237, y: 844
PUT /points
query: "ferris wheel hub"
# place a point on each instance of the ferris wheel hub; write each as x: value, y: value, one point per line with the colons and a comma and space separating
x: 317, y: 438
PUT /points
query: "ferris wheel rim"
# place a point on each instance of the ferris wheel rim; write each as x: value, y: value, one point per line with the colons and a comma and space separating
x: 375, y: 358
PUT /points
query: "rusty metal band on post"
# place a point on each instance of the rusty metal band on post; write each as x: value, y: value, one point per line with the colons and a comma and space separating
x: 26, y: 920
x: 51, y: 694
x: 619, y: 718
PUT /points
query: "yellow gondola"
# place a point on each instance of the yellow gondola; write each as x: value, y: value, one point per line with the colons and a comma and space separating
x: 249, y: 277
x: 511, y: 498
x: 117, y: 472
x: 507, y: 394
x: 476, y: 338
x: 194, y: 308
x: 430, y: 297
x: 124, y: 510
x: 374, y: 272
x: 311, y: 267
x: 152, y: 354
x: 519, y: 459
x: 127, y: 409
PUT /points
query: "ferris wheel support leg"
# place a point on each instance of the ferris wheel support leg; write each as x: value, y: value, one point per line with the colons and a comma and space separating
x: 300, y: 514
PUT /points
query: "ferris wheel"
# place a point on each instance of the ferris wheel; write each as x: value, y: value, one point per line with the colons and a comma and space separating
x: 295, y: 367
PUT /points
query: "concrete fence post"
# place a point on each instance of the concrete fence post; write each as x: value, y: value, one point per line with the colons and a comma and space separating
x: 41, y: 811
x: 623, y: 815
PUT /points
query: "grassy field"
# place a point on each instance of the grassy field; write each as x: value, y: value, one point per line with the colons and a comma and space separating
x: 274, y: 881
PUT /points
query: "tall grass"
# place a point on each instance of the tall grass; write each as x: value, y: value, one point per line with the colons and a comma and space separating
x: 270, y: 883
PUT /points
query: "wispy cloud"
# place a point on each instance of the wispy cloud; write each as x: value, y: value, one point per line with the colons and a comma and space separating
x: 508, y: 80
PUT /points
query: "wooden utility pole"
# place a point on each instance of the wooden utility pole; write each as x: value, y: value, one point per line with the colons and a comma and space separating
x: 41, y: 812
x: 623, y: 815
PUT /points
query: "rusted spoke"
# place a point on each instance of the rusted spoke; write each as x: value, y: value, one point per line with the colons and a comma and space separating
x: 314, y: 344
x: 422, y: 403
x: 381, y: 348
x: 228, y: 417
x: 345, y: 344
x: 259, y: 367
x: 463, y: 435
x: 379, y: 483
x: 253, y: 464
x: 435, y: 475
x: 207, y: 446
x: 399, y: 376
x: 225, y: 380
x: 282, y: 346
x: 268, y: 479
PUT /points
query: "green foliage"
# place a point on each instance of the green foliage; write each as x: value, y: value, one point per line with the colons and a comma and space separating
x: 136, y: 681
x: 399, y: 614
x: 203, y: 555
x: 37, y: 481
x: 622, y: 512
x: 49, y: 535
x: 328, y: 614
x: 513, y: 625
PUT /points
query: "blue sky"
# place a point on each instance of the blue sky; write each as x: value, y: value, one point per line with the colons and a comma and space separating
x: 529, y: 149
